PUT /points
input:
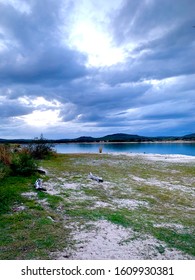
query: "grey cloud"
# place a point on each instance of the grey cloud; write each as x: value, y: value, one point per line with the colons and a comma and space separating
x: 32, y: 29
x: 158, y: 59
x: 97, y: 105
x: 13, y: 109
x: 163, y: 37
x: 35, y: 62
x: 168, y: 110
x: 36, y: 54
x: 52, y: 64
x: 141, y: 20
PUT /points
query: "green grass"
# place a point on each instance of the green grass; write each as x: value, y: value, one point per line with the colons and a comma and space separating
x: 11, y: 189
x: 53, y: 200
x: 182, y: 241
x: 29, y: 234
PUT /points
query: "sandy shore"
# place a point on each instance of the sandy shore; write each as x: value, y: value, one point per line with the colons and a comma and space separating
x: 160, y: 157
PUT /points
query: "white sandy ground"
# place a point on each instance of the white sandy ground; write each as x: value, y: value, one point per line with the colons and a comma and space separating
x: 108, y: 241
x: 159, y: 157
x: 105, y: 240
x: 165, y: 185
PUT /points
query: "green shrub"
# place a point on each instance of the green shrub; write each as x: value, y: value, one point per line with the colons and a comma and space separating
x: 23, y: 164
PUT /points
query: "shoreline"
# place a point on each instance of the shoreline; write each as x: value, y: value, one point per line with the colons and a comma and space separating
x: 131, y: 142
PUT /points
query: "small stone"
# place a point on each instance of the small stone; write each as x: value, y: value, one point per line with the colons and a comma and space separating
x: 66, y: 256
x: 50, y: 218
x: 161, y: 249
x: 19, y: 208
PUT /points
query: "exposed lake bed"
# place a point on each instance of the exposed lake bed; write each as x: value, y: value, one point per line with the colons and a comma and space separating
x: 143, y: 209
x: 142, y: 205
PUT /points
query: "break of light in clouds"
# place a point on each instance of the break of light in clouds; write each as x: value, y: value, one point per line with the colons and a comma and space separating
x: 72, y: 68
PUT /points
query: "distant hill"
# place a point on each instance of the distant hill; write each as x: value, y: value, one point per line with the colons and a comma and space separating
x: 122, y: 137
x: 117, y: 137
x: 190, y: 136
x: 15, y: 141
x: 84, y: 139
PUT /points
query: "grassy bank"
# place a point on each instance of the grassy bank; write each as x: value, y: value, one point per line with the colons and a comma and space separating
x: 27, y: 228
x: 150, y: 198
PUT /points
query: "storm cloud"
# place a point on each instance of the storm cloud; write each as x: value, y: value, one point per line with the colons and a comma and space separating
x: 69, y: 69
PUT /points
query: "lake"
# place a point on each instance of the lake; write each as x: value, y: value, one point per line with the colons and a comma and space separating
x: 153, y: 148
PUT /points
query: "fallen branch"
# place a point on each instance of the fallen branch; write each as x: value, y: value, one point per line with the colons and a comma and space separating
x: 39, y: 185
x: 96, y: 178
x: 41, y: 171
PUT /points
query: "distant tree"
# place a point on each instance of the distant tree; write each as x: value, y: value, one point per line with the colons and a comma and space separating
x: 40, y: 148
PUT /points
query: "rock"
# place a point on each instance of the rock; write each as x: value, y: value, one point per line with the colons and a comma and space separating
x: 19, y: 208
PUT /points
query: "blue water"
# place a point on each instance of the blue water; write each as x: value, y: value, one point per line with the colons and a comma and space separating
x: 153, y: 148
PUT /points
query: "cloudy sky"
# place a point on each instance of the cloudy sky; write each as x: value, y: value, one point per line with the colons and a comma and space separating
x: 84, y: 67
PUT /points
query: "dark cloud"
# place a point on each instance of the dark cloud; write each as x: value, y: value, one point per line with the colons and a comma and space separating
x: 150, y: 92
x: 145, y: 20
x: 53, y: 64
x: 34, y: 28
x: 162, y: 34
x: 34, y: 52
x: 13, y: 109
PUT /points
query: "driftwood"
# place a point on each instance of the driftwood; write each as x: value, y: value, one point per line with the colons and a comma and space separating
x: 39, y: 185
x: 94, y: 177
x: 41, y: 171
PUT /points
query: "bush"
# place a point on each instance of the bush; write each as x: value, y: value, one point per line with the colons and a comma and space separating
x: 23, y: 163
x: 40, y: 148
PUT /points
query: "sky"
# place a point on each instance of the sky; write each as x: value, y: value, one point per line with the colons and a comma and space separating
x: 91, y: 68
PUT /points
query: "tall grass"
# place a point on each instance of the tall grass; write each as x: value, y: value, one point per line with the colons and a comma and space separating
x: 16, y: 161
x: 5, y: 154
x: 5, y: 160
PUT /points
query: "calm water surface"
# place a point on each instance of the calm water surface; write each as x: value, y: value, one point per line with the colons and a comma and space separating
x: 153, y: 148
